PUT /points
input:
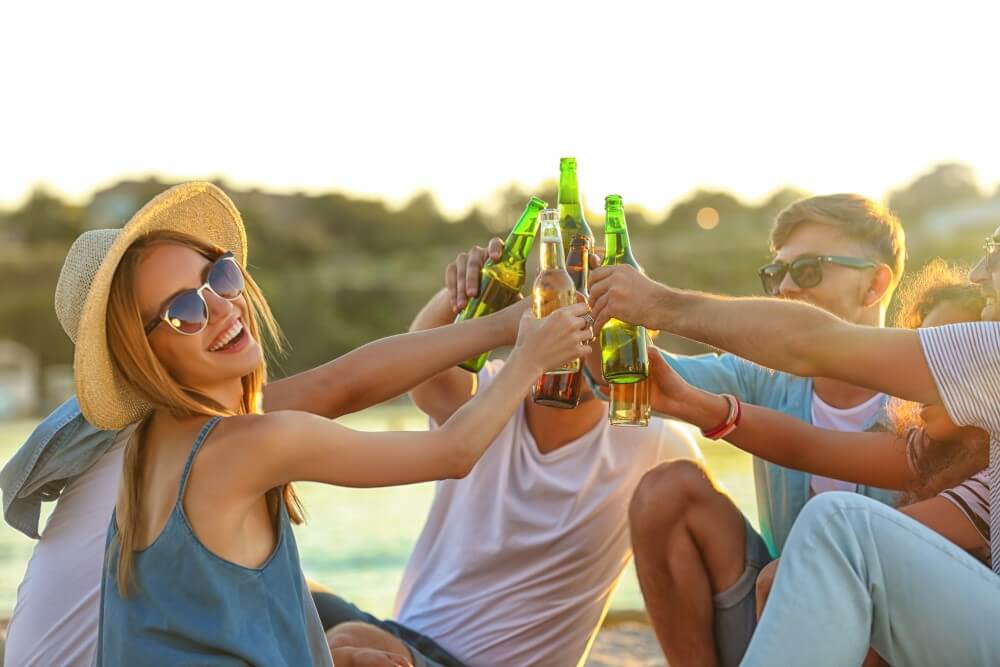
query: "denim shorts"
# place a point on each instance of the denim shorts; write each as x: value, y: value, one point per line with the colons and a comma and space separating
x: 736, y: 607
x: 334, y: 610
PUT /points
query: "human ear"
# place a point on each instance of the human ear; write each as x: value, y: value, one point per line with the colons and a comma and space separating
x: 879, y: 285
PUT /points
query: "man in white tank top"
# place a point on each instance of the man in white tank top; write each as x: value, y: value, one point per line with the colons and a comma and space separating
x: 517, y: 562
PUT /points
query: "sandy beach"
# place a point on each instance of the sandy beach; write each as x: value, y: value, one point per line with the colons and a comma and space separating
x: 627, y: 643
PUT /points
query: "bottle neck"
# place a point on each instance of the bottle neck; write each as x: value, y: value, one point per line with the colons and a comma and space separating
x: 517, y: 246
x: 578, y: 264
x: 617, y: 248
x: 522, y: 237
x: 571, y: 216
x: 552, y: 254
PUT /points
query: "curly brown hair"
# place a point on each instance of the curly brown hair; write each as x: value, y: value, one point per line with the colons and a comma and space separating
x: 936, y: 284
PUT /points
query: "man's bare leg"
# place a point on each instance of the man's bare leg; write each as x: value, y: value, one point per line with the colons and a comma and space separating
x: 690, y: 543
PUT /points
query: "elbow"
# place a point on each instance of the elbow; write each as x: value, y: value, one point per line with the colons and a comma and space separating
x: 460, y: 465
x: 802, y: 354
x: 459, y: 454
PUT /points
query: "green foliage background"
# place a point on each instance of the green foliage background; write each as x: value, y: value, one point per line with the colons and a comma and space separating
x: 340, y: 271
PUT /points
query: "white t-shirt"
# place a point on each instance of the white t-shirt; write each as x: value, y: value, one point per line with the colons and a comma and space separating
x: 56, y: 616
x: 964, y: 360
x: 854, y: 418
x: 517, y: 562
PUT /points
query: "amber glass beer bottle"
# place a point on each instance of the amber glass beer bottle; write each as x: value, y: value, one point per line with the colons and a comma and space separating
x: 501, y: 281
x: 623, y: 346
x: 563, y: 390
x: 553, y: 288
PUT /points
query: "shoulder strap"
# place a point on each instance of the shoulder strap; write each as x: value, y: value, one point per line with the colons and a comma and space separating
x: 198, y: 442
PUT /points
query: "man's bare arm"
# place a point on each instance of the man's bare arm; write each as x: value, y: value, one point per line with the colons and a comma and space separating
x: 788, y: 336
x: 441, y: 395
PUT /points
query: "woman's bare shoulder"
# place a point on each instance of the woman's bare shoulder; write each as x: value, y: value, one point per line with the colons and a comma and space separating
x: 271, y: 429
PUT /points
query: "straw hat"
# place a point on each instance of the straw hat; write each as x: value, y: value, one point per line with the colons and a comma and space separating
x: 198, y: 209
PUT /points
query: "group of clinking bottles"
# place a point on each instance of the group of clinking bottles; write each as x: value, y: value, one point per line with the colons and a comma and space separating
x: 562, y: 279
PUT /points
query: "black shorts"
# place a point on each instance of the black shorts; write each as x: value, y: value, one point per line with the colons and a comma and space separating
x: 334, y: 610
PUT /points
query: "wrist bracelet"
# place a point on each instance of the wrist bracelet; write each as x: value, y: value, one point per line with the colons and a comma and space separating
x: 730, y: 423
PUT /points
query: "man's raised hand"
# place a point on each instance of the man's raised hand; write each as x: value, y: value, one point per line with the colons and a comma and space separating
x: 462, y: 275
x: 622, y: 292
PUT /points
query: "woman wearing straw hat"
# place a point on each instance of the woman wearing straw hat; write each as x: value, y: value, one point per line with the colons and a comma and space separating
x: 167, y: 326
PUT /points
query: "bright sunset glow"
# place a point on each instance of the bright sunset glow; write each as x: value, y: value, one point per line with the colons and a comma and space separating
x: 385, y: 99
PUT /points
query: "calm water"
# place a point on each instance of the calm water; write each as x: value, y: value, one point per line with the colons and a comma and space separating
x: 356, y: 541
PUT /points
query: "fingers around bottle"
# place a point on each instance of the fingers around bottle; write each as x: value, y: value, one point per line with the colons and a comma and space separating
x: 600, y: 274
x: 495, y: 248
x: 473, y: 266
x: 461, y: 263
x: 599, y: 311
x: 450, y: 281
x: 576, y: 309
x: 598, y: 287
x: 596, y: 257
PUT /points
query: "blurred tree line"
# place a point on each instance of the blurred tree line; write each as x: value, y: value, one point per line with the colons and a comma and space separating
x: 340, y: 271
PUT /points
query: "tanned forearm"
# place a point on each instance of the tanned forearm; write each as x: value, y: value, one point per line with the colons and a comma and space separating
x: 785, y: 335
x: 800, y: 339
x: 436, y: 313
x: 875, y: 459
x: 388, y: 367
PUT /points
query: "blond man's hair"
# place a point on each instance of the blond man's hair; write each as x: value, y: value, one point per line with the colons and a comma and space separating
x: 859, y: 218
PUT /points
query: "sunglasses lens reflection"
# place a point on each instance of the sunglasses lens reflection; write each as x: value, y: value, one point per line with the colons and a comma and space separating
x: 771, y: 277
x: 226, y: 280
x: 807, y: 273
x: 187, y: 313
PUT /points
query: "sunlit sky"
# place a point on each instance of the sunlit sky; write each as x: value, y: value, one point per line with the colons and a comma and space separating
x: 461, y: 98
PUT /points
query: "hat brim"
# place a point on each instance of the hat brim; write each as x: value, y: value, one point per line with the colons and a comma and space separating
x: 200, y: 210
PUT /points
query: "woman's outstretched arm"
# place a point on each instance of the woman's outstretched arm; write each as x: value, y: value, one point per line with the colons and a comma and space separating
x: 875, y: 459
x: 389, y: 367
x: 289, y: 446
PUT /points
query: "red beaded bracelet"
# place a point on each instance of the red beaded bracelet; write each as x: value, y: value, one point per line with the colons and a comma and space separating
x: 731, y: 421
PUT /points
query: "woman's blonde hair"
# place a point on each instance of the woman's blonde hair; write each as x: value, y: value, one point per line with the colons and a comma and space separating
x: 135, y: 361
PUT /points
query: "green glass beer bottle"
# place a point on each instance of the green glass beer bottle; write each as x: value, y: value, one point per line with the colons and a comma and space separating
x: 563, y: 390
x: 553, y: 288
x: 571, y: 220
x: 629, y: 404
x: 623, y: 346
x: 501, y: 281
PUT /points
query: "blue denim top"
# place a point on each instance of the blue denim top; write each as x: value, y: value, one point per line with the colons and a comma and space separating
x: 62, y: 447
x: 188, y: 606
